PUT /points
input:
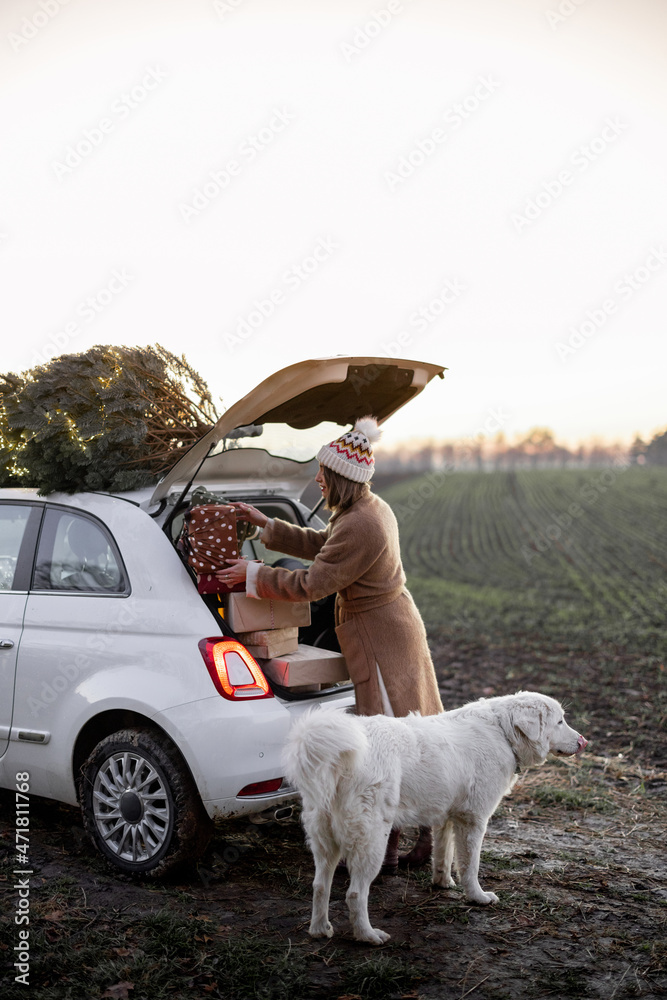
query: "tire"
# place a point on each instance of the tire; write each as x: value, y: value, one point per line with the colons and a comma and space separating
x: 140, y: 805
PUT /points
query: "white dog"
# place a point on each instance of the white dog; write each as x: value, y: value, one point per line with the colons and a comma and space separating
x: 359, y: 776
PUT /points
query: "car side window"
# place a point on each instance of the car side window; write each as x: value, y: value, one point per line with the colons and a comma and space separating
x: 76, y: 554
x: 13, y: 523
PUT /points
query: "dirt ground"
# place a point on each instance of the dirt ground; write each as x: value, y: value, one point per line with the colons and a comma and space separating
x: 576, y: 854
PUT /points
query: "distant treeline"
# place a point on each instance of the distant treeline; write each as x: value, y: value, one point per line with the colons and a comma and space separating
x: 538, y: 450
x: 653, y: 453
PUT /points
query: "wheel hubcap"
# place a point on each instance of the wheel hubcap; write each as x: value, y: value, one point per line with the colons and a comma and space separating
x: 131, y: 807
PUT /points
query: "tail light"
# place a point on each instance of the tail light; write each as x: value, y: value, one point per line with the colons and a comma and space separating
x: 235, y: 673
x: 261, y: 787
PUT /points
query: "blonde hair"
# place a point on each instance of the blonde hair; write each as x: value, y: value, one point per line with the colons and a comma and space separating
x: 342, y: 492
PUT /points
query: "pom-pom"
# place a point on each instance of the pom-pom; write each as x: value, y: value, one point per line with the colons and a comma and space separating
x: 369, y: 427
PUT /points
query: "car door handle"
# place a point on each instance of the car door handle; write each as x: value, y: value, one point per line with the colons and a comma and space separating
x: 6, y: 643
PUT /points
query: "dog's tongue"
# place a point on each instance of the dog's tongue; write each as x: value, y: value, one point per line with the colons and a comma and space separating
x: 581, y: 744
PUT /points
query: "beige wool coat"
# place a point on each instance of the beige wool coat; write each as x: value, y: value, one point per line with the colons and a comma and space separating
x: 357, y: 557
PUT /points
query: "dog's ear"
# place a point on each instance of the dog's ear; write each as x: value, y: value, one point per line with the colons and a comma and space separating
x: 528, y: 721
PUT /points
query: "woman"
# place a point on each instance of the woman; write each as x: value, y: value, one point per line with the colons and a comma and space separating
x: 357, y: 557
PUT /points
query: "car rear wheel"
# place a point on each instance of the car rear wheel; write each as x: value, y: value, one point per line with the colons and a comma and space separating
x: 140, y: 805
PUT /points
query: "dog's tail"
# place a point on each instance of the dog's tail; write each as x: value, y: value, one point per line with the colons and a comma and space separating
x: 322, y: 746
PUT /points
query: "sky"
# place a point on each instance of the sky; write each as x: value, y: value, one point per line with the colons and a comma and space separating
x: 475, y: 183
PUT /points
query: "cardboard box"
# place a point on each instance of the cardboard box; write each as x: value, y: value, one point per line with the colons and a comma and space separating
x: 270, y: 642
x: 248, y: 614
x: 308, y: 665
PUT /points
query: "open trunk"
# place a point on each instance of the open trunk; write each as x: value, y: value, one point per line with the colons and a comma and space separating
x: 292, y: 414
x: 315, y: 637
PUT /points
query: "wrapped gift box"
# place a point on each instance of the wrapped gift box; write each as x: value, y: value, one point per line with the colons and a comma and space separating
x: 209, y: 539
x: 308, y: 665
x: 210, y: 536
x: 248, y: 614
x: 266, y: 643
x: 209, y: 584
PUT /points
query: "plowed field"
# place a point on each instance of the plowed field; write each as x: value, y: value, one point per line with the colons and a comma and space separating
x: 515, y: 597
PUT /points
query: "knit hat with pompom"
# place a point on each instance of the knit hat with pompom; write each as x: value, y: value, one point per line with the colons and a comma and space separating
x: 351, y: 455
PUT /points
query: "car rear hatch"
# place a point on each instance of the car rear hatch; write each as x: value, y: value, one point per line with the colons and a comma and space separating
x: 285, y: 409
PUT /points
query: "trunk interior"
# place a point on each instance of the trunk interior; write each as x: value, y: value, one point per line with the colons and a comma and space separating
x: 319, y: 634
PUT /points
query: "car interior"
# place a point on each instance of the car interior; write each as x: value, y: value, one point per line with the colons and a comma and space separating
x: 320, y: 632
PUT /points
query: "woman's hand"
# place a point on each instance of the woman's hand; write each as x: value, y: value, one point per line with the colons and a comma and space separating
x: 234, y: 572
x: 246, y: 512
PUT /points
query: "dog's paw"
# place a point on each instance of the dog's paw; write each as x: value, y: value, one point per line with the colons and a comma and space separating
x: 443, y: 880
x: 373, y: 936
x: 484, y: 898
x: 321, y: 929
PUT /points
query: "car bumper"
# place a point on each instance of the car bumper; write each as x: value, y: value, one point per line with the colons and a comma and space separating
x: 230, y: 745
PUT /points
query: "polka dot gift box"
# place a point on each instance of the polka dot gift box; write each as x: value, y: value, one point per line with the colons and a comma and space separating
x: 210, y: 540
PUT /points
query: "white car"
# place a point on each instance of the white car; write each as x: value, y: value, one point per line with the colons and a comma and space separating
x: 122, y: 689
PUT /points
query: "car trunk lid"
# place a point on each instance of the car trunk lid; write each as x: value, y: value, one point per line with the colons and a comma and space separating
x: 336, y: 390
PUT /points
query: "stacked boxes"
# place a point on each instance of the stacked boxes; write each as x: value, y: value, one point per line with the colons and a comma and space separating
x: 270, y: 631
x: 269, y: 642
x: 308, y: 668
x: 248, y: 614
